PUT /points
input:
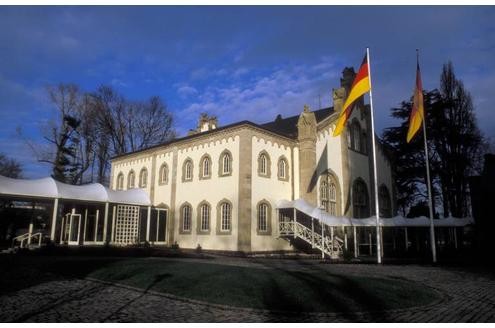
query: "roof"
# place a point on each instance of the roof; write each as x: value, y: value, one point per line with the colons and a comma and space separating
x: 288, y: 126
x: 50, y: 188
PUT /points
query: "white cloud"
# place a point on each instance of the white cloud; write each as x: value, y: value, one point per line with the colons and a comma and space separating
x: 260, y: 98
x: 185, y: 91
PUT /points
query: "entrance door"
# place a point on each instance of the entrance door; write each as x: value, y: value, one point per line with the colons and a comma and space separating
x: 74, y: 229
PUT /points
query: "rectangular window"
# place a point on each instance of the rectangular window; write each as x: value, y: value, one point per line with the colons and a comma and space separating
x: 262, y: 218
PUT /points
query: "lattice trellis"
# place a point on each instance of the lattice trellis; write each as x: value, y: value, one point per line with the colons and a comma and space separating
x: 127, y: 225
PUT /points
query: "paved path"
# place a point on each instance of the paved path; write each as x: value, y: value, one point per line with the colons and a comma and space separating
x: 468, y: 297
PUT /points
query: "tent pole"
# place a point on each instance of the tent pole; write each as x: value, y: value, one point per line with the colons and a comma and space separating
x: 54, y: 219
x: 105, y: 223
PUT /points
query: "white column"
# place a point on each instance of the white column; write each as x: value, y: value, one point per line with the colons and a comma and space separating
x: 407, y: 239
x: 30, y: 233
x: 96, y: 225
x: 345, y: 238
x: 371, y: 242
x: 148, y: 223
x: 355, y: 242
x: 54, y: 219
x: 112, y: 235
x: 312, y: 232
x: 322, y: 240
x: 381, y: 241
x: 85, y: 224
x: 295, y: 221
x: 105, y: 223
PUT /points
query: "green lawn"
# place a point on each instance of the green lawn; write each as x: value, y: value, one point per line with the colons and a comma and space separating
x: 273, y: 288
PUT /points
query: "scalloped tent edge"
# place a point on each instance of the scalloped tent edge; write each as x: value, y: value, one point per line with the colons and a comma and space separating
x: 397, y: 221
x: 50, y: 188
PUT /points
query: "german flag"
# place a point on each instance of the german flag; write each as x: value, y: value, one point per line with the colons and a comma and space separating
x: 417, y: 112
x: 360, y: 86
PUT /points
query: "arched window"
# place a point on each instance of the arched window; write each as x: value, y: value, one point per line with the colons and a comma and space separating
x: 332, y: 198
x: 163, y: 174
x: 330, y: 193
x: 143, y: 178
x: 349, y: 139
x: 356, y: 136
x: 131, y: 180
x: 205, y: 167
x: 225, y: 163
x: 360, y: 199
x: 264, y: 218
x: 385, y: 202
x: 120, y: 181
x: 187, y: 170
x: 185, y: 216
x: 264, y: 164
x: 283, y: 169
x: 364, y: 143
x: 203, y: 217
x: 324, y: 193
x: 225, y: 217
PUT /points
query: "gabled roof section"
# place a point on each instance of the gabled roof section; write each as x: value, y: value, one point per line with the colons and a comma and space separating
x: 288, y: 126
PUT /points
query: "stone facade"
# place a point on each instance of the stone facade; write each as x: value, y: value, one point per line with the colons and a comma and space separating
x: 251, y: 167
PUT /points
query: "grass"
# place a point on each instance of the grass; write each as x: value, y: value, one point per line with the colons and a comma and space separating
x: 273, y: 288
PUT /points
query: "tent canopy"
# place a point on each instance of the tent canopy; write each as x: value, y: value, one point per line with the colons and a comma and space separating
x: 50, y: 188
x: 398, y: 221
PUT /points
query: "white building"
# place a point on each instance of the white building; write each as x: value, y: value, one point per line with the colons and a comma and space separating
x: 219, y: 186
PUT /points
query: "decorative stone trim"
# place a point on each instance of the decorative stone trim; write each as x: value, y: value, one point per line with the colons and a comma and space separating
x: 199, y: 231
x: 187, y: 160
x: 268, y: 230
x: 219, y: 230
x: 286, y: 169
x: 221, y: 172
x: 268, y: 164
x: 161, y: 173
x: 201, y: 167
x: 181, y: 220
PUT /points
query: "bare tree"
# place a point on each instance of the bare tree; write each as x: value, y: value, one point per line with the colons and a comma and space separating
x: 9, y: 167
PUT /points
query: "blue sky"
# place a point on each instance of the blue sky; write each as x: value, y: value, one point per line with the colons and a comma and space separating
x: 234, y: 62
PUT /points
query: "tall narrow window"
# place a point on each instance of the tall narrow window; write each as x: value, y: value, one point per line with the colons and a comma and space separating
x: 360, y: 199
x: 332, y: 199
x: 163, y: 175
x: 186, y: 218
x: 143, y: 178
x: 130, y: 180
x: 282, y: 169
x: 356, y: 136
x: 120, y: 181
x: 226, y: 164
x: 264, y: 164
x: 324, y: 193
x: 385, y: 202
x: 262, y: 217
x: 187, y: 170
x: 205, y: 167
x: 226, y: 217
x: 205, y: 217
x: 330, y: 193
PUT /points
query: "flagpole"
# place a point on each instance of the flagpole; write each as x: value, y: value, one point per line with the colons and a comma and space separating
x: 377, y: 206
x: 428, y: 182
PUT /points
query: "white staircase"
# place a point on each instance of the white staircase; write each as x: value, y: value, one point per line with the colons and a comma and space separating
x: 329, y: 245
